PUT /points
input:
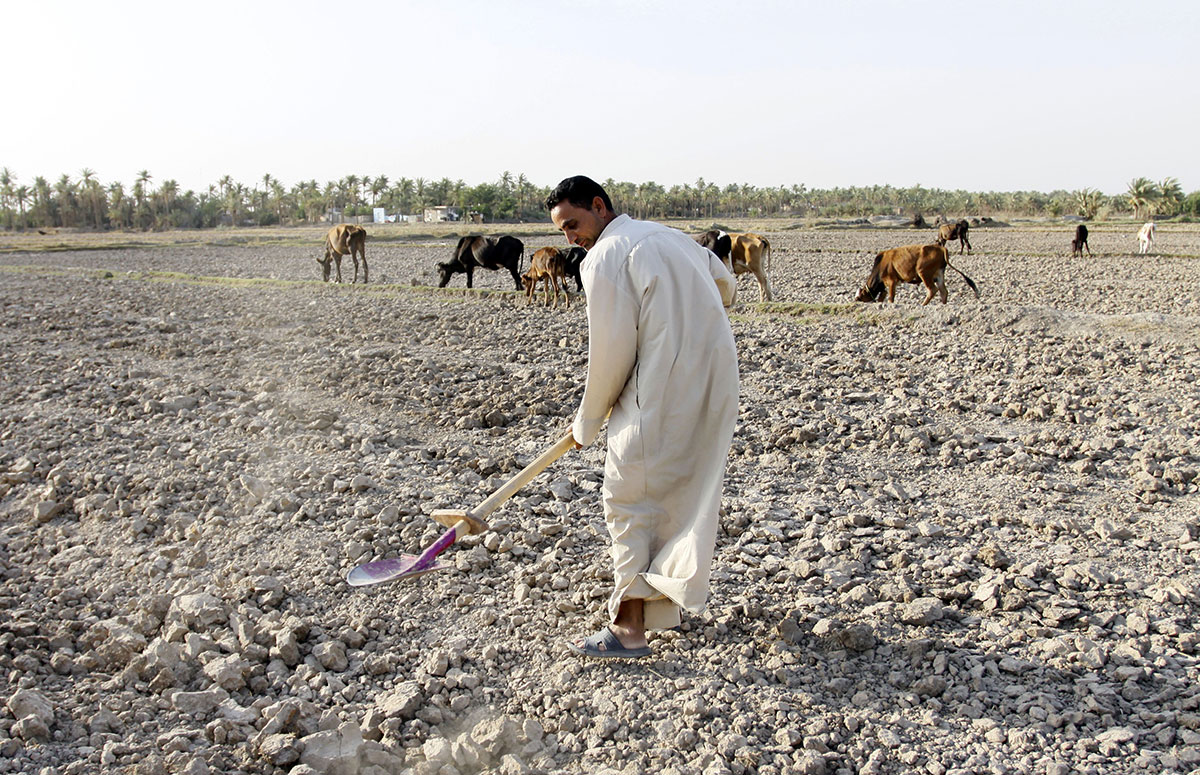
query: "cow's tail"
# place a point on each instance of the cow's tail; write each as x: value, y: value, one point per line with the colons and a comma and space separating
x: 970, y: 282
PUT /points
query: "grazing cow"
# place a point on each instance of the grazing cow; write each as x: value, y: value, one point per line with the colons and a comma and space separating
x: 487, y: 253
x: 751, y: 253
x: 574, y: 256
x: 548, y: 265
x: 948, y: 232
x: 1080, y: 242
x: 1146, y: 237
x: 345, y: 239
x: 910, y: 264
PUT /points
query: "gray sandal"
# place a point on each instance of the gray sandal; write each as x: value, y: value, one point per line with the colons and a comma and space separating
x: 605, y: 645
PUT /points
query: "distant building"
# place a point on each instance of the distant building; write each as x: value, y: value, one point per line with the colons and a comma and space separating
x: 441, y: 214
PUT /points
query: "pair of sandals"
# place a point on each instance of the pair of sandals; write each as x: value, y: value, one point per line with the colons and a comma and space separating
x: 605, y: 645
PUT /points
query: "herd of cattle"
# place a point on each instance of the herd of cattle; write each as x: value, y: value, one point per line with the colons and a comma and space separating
x: 741, y: 253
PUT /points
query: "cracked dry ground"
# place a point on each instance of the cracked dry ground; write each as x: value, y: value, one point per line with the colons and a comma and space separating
x: 955, y: 539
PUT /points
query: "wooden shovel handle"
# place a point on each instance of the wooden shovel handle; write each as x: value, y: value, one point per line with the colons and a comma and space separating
x: 509, y: 488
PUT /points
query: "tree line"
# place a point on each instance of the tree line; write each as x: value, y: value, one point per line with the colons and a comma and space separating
x: 86, y: 202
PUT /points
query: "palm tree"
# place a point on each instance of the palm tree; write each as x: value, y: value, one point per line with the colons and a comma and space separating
x: 21, y: 195
x: 7, y: 178
x: 1141, y: 195
x: 64, y: 189
x: 1088, y: 202
x: 266, y: 189
x: 119, y: 213
x: 167, y: 192
x: 233, y: 201
x: 420, y: 194
x: 142, y: 183
x: 96, y: 205
x: 43, y: 212
x: 378, y: 185
x: 1170, y: 194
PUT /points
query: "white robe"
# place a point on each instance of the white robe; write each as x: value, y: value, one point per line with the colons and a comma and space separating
x: 661, y: 355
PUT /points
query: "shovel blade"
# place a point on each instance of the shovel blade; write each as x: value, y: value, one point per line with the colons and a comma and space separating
x: 406, y: 566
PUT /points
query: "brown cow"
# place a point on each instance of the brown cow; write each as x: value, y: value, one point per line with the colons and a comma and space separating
x: 550, y: 266
x: 910, y: 264
x: 345, y: 239
x: 948, y: 232
x: 750, y: 252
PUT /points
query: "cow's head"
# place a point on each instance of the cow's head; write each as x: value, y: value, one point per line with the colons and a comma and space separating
x: 325, y: 263
x: 446, y: 271
x: 870, y: 291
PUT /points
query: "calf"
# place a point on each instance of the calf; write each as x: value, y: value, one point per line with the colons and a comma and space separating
x: 910, y: 264
x: 1146, y: 238
x: 342, y: 240
x: 1080, y: 242
x: 548, y: 265
x: 948, y: 232
x: 486, y: 252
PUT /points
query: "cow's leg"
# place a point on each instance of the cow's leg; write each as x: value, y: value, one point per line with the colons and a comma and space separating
x: 764, y: 285
x: 355, y: 259
x: 512, y: 269
x: 891, y: 289
x: 930, y: 289
x: 364, y: 260
x: 338, y: 260
x: 470, y: 276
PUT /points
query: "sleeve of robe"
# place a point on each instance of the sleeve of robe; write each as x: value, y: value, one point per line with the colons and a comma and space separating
x: 726, y: 282
x: 612, y: 351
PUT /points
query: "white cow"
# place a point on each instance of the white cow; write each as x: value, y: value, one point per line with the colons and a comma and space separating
x: 1146, y: 237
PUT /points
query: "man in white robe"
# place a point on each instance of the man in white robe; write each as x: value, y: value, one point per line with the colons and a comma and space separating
x: 661, y: 357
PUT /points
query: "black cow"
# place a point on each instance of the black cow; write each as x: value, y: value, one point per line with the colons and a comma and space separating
x: 1080, y: 242
x: 718, y: 242
x: 574, y: 256
x: 487, y: 253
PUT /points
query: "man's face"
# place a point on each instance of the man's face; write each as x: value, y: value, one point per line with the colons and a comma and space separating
x: 582, y: 226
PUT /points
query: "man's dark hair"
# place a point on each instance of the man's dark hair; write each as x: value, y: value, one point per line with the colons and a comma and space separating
x: 579, y: 190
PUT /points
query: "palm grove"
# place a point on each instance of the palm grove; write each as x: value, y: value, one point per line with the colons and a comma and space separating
x: 86, y: 202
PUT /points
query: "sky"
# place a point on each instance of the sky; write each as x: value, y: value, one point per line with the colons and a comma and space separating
x: 983, y: 96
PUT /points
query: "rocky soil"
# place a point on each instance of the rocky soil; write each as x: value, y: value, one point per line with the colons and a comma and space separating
x: 956, y: 539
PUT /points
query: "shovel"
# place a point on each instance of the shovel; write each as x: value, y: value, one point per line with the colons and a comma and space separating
x: 458, y: 522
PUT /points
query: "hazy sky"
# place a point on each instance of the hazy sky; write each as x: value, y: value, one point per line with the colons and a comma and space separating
x: 976, y: 95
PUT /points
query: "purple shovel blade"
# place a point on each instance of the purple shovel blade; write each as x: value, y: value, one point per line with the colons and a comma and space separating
x: 379, y: 571
x: 402, y: 567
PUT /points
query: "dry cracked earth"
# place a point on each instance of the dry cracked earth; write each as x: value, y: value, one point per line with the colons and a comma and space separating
x: 955, y: 539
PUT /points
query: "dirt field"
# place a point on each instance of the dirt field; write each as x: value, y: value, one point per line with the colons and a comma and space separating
x: 955, y: 539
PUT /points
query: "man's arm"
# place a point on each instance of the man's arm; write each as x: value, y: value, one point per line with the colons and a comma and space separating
x: 612, y: 352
